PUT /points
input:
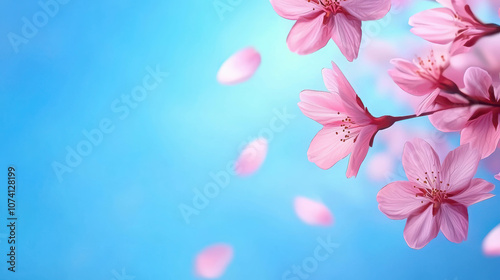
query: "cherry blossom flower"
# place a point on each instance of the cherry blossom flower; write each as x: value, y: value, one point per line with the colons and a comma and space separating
x: 348, y: 127
x: 497, y: 176
x: 424, y: 74
x: 478, y: 119
x: 455, y: 22
x: 320, y: 20
x: 436, y: 196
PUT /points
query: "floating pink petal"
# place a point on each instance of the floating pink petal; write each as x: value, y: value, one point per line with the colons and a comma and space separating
x: 239, y: 67
x: 312, y: 212
x: 497, y: 176
x: 212, y: 261
x: 252, y: 157
x: 491, y: 243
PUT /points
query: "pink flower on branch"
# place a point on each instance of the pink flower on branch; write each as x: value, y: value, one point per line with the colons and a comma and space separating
x: 423, y: 75
x: 454, y: 23
x: 436, y: 196
x: 478, y: 116
x: 318, y: 21
x: 348, y: 127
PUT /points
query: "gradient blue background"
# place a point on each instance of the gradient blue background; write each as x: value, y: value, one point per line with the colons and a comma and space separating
x: 119, y: 208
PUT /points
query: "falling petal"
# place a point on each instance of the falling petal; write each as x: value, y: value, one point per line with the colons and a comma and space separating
x: 313, y: 212
x: 252, y: 157
x: 491, y: 243
x: 497, y: 176
x: 212, y: 261
x: 239, y: 67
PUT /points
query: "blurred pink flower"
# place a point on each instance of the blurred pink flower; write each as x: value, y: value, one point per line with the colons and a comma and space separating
x: 312, y: 212
x: 423, y: 75
x: 491, y: 243
x: 348, y: 127
x: 478, y: 121
x: 454, y: 23
x: 239, y: 67
x: 252, y: 157
x: 497, y: 176
x: 320, y: 20
x: 212, y: 262
x: 436, y: 196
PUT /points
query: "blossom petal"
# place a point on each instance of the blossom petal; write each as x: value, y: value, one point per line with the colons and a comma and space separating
x: 398, y: 200
x: 336, y: 82
x: 312, y: 212
x: 454, y: 222
x: 491, y: 243
x: 406, y: 77
x: 481, y: 134
x: 497, y: 176
x: 451, y: 120
x: 421, y: 227
x: 309, y: 34
x: 420, y: 161
x: 360, y: 150
x: 435, y: 25
x: 252, y: 157
x: 367, y: 9
x: 347, y: 35
x: 459, y: 167
x: 212, y: 262
x: 477, y: 82
x: 239, y: 67
x: 478, y: 191
x: 428, y: 102
x: 327, y: 149
x: 293, y: 9
x: 323, y: 107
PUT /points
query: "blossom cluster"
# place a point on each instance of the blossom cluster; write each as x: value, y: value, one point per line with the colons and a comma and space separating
x: 436, y: 196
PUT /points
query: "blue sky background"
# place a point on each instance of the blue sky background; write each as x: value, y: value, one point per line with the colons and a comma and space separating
x: 118, y: 209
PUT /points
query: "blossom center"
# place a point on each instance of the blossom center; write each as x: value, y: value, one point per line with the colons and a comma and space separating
x: 329, y: 6
x: 347, y: 125
x: 431, y: 68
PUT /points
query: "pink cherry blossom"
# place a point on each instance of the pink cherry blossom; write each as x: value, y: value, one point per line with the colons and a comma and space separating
x: 424, y: 74
x: 320, y: 20
x: 348, y: 127
x: 436, y: 195
x: 239, y: 67
x: 491, y: 243
x: 497, y: 176
x: 478, y: 120
x: 252, y: 157
x: 312, y: 212
x: 212, y: 262
x: 455, y: 22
